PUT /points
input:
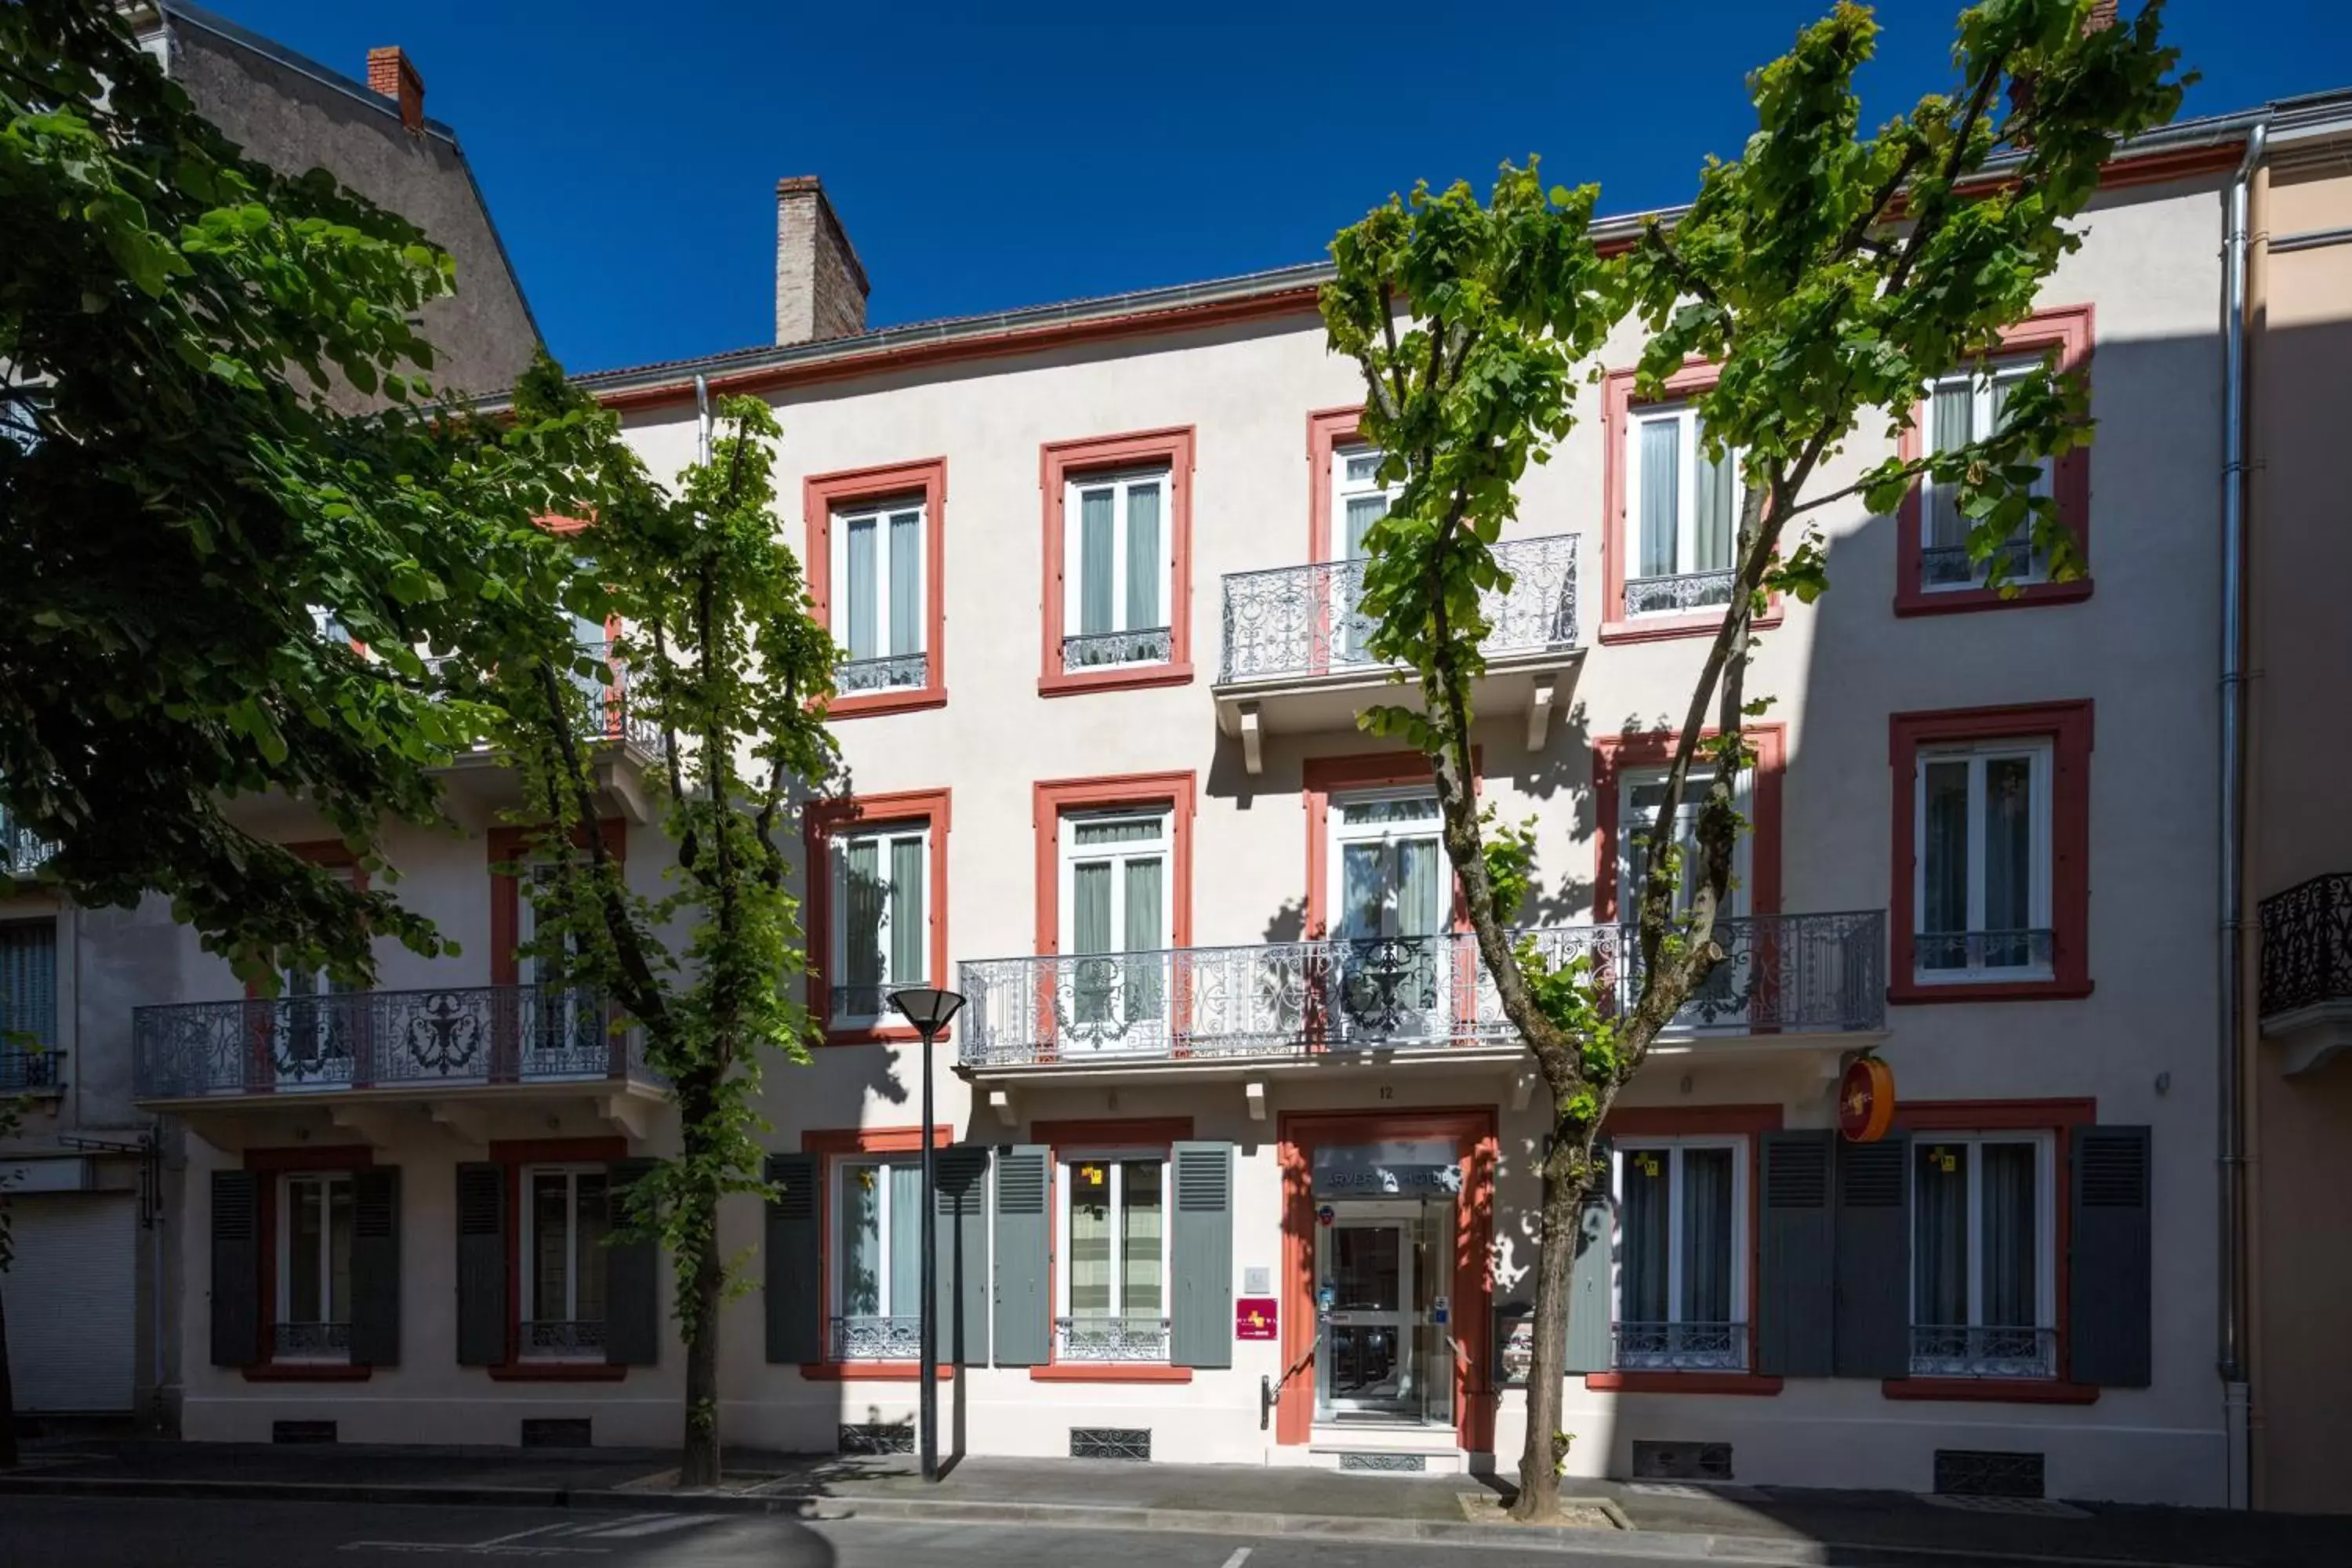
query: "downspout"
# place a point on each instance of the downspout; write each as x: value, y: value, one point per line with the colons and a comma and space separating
x: 702, y: 419
x: 2235, y: 1392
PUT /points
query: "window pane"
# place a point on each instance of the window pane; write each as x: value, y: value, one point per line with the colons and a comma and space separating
x: 860, y: 1288
x: 1090, y: 1240
x: 1716, y: 503
x: 909, y: 964
x: 1362, y: 466
x: 1095, y: 555
x: 904, y: 1298
x: 1707, y: 1236
x: 1143, y: 901
x: 1362, y: 513
x: 1939, y: 1247
x: 863, y: 860
x: 1948, y: 418
x: 2011, y: 1210
x: 1644, y: 1220
x: 1118, y: 830
x: 1944, y: 866
x: 1363, y: 885
x: 1410, y: 808
x: 859, y: 611
x: 1421, y: 887
x: 551, y: 1275
x: 1143, y: 557
x: 302, y: 1304
x: 906, y: 582
x: 591, y: 1226
x: 1090, y: 932
x: 1140, y: 1219
x: 1662, y: 478
x: 2009, y: 858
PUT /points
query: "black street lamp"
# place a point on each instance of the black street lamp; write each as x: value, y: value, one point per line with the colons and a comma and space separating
x: 928, y: 1010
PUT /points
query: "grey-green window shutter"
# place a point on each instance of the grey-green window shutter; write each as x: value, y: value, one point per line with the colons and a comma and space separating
x: 632, y: 1278
x: 483, y: 1316
x: 1592, y: 1304
x: 1796, y: 1288
x: 1025, y: 1255
x: 236, y: 1269
x: 795, y: 1271
x: 1872, y: 1310
x: 2113, y: 1245
x: 1201, y: 1249
x: 962, y: 1220
x: 376, y: 1266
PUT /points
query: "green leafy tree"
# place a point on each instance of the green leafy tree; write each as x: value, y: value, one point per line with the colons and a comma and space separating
x: 727, y: 675
x: 1831, y: 275
x: 221, y: 469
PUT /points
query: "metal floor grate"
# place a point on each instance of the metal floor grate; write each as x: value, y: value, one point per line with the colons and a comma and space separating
x: 876, y: 1438
x: 1110, y: 1441
x: 557, y: 1432
x: 1987, y: 1473
x: 1669, y: 1461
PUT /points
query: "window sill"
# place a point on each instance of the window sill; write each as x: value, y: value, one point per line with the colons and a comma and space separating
x: 1916, y: 600
x: 2062, y: 989
x: 1990, y: 1389
x: 913, y: 699
x: 309, y: 1371
x: 875, y: 1034
x: 1665, y: 629
x: 1110, y: 1372
x: 1137, y: 678
x: 558, y: 1372
x: 869, y: 1371
x: 1747, y: 1383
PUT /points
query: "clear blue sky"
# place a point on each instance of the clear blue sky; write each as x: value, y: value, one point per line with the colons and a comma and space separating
x: 986, y: 155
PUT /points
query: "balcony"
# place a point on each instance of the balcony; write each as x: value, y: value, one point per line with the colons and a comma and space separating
x: 629, y: 745
x: 354, y: 1051
x: 2307, y: 971
x: 1296, y: 655
x: 23, y: 852
x: 1983, y: 1351
x: 1806, y: 982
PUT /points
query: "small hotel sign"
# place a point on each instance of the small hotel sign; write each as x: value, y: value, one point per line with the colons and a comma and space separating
x: 1400, y: 1168
x: 1255, y: 1317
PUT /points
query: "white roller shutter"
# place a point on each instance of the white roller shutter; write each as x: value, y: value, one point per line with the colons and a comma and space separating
x: 71, y: 1301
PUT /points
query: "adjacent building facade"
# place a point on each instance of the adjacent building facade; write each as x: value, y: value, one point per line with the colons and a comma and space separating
x: 1235, y: 1151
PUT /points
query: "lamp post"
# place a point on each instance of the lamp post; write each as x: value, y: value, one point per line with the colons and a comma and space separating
x: 928, y: 1010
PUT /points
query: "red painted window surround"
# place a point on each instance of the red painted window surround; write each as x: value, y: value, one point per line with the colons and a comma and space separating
x: 1058, y: 462
x: 2059, y: 1118
x: 1749, y: 1121
x: 269, y: 1164
x: 828, y: 1144
x: 1323, y: 777
x: 1050, y: 801
x: 508, y: 845
x: 1328, y: 430
x: 822, y: 495
x: 1471, y: 1130
x: 1614, y: 756
x: 2066, y: 329
x: 1141, y: 1134
x: 2067, y: 726
x: 825, y: 819
x: 1617, y: 405
x: 515, y: 1153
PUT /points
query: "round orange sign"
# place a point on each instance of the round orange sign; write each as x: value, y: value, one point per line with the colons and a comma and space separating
x: 1866, y: 1100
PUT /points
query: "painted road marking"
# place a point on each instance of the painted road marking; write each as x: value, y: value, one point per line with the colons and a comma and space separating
x: 653, y: 1524
x: 1240, y: 1556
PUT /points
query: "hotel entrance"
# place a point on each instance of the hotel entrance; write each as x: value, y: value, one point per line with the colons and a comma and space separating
x: 1383, y: 1270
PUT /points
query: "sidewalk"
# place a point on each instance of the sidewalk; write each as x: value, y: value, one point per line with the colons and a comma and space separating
x: 1767, y: 1524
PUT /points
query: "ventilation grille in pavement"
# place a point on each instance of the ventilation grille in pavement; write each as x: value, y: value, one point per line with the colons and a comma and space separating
x: 301, y: 1431
x: 1110, y: 1441
x: 1985, y: 1472
x: 1383, y: 1461
x: 1665, y: 1461
x: 877, y: 1437
x: 556, y: 1432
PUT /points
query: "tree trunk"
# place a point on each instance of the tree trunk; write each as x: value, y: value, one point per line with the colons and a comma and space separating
x: 8, y: 1388
x: 698, y: 1466
x: 1540, y: 1455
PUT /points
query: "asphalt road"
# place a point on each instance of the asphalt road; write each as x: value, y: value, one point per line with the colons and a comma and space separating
x: 43, y: 1533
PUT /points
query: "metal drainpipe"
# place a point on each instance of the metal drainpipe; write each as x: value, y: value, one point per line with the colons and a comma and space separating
x: 2235, y: 1392
x: 701, y: 418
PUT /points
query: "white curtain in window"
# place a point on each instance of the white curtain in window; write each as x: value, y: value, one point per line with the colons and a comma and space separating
x: 1143, y: 935
x: 1949, y: 414
x: 906, y: 1240
x: 1707, y: 1236
x: 1143, y: 558
x: 2009, y: 1207
x: 909, y: 962
x: 1945, y: 874
x: 2009, y: 855
x: 906, y: 584
x: 1090, y: 1240
x: 1097, y: 548
x: 1142, y: 1292
x: 1661, y: 498
x: 1421, y: 903
x: 1362, y: 513
x: 861, y: 1241
x: 864, y: 537
x: 863, y: 967
x: 1717, y: 507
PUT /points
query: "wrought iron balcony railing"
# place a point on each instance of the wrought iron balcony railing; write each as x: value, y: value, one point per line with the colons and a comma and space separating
x: 317, y: 1342
x: 383, y: 1039
x: 1296, y: 621
x: 1996, y: 952
x: 1979, y: 1351
x: 2307, y: 945
x: 1812, y: 973
x: 607, y: 700
x: 27, y: 1069
x: 554, y: 1341
x: 864, y: 1337
x: 1682, y: 1347
x: 21, y: 850
x: 1953, y: 567
x: 1688, y: 591
x: 1096, y: 650
x: 1085, y: 1337
x: 889, y: 672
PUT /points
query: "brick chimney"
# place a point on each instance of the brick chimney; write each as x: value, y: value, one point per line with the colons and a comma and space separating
x: 2101, y: 16
x: 391, y: 74
x: 820, y: 286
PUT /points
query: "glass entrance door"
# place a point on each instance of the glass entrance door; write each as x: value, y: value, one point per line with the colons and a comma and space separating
x: 1381, y: 1268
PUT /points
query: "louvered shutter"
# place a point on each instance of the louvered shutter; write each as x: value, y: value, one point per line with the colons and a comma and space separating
x: 633, y: 1331
x: 1200, y: 1313
x: 236, y: 1269
x: 484, y: 1316
x: 793, y: 1272
x: 1873, y: 1312
x: 963, y: 1219
x: 1592, y: 1300
x: 376, y: 1266
x: 28, y: 984
x: 1796, y: 1257
x: 2111, y: 1297
x: 1024, y: 1256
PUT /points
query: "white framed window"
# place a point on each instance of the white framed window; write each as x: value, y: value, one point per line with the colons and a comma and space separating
x: 311, y: 1032
x: 1961, y: 409
x: 876, y: 1263
x: 1681, y: 1258
x: 879, y: 590
x: 1358, y: 500
x: 565, y: 1218
x: 1118, y: 556
x: 881, y: 936
x: 314, y: 1267
x: 1639, y: 795
x: 1387, y: 867
x: 1114, y: 1248
x: 1681, y: 513
x: 1984, y: 1288
x: 1982, y: 854
x: 563, y: 1023
x: 1117, y: 912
